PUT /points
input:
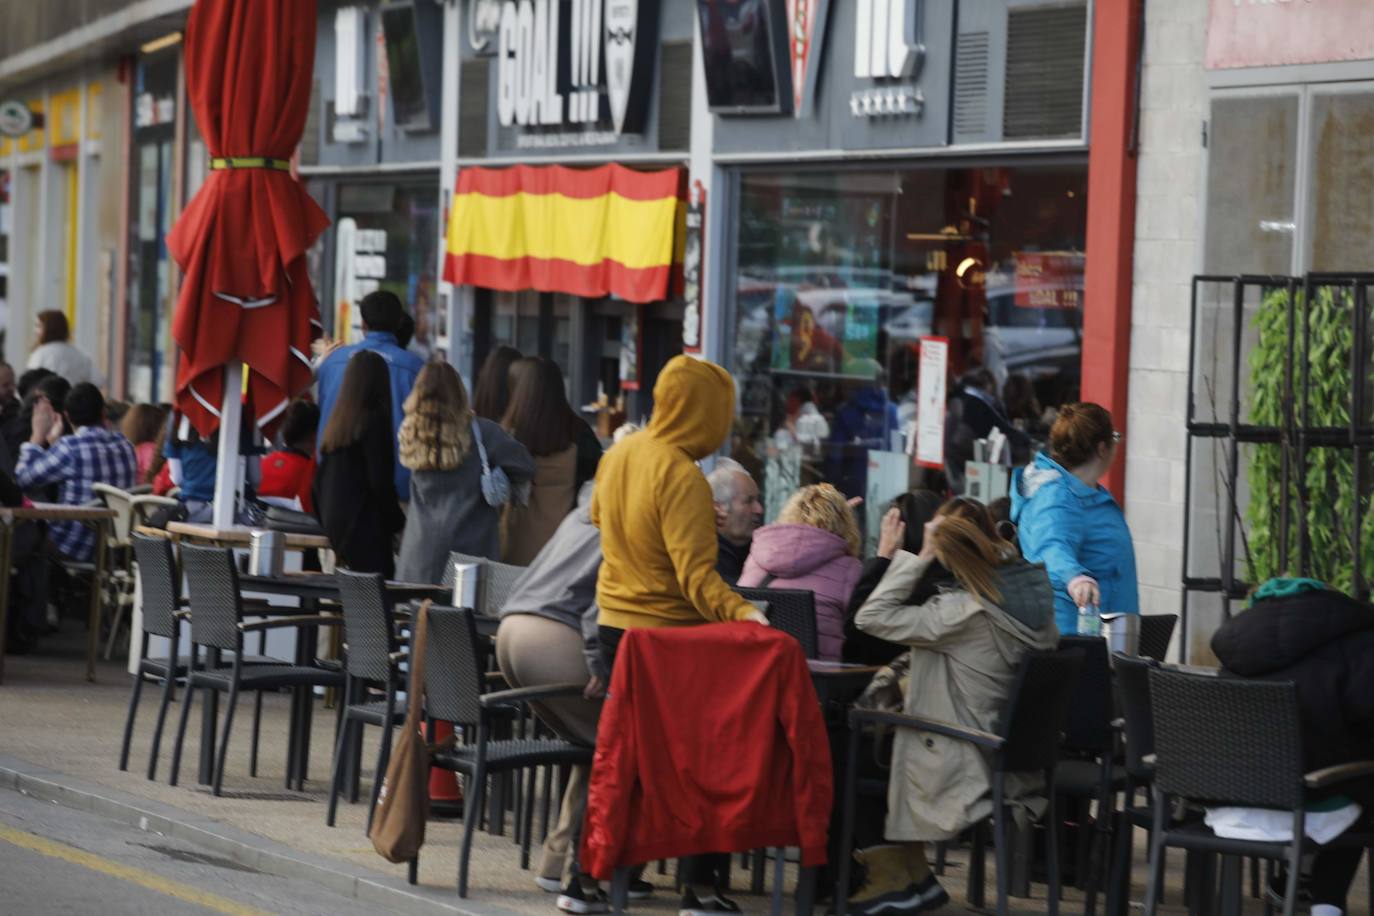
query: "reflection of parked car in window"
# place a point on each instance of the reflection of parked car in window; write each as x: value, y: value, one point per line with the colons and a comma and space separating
x: 1034, y: 341
x: 911, y: 323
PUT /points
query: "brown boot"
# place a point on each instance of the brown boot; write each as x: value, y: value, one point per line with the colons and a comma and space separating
x: 891, y: 883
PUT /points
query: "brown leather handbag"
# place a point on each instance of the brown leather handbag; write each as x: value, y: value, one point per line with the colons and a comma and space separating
x: 398, y: 825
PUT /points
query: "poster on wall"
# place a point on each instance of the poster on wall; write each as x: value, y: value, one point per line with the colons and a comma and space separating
x: 825, y: 332
x: 1049, y: 279
x: 630, y: 341
x: 694, y: 221
x: 930, y: 399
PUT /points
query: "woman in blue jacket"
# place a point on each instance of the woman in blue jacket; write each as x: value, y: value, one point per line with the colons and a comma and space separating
x: 1070, y: 523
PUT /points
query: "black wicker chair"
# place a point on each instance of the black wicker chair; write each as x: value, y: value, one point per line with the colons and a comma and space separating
x: 1027, y: 741
x: 1155, y: 632
x: 791, y: 610
x: 1137, y: 725
x: 162, y: 615
x: 371, y: 659
x: 217, y: 625
x: 1228, y: 741
x: 499, y: 579
x: 454, y: 679
x: 1087, y: 771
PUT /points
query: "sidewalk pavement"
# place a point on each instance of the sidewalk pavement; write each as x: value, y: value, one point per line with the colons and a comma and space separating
x: 61, y: 743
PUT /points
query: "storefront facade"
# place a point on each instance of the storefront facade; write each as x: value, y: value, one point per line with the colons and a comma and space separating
x: 370, y: 157
x: 599, y: 129
x: 1253, y: 160
x: 881, y: 193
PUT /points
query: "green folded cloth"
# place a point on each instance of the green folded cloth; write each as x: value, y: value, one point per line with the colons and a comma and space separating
x: 1285, y: 588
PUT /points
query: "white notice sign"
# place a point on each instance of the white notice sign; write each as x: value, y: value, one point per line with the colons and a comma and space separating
x: 930, y: 400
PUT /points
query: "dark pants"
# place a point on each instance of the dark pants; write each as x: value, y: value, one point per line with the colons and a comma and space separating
x: 707, y: 870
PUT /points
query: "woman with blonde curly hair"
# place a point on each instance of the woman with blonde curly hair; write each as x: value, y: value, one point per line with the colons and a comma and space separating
x: 814, y: 545
x: 447, y: 512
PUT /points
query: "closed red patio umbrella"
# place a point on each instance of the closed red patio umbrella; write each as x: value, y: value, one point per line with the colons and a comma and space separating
x: 245, y: 297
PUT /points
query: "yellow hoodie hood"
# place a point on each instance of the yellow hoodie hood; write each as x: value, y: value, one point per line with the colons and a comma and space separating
x: 694, y: 405
x: 654, y: 509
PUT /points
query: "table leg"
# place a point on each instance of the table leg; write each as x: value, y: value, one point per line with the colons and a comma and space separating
x: 311, y: 644
x: 209, y: 715
x: 6, y: 545
x: 97, y: 583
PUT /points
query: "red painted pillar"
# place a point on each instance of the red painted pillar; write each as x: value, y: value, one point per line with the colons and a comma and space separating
x: 1111, y: 215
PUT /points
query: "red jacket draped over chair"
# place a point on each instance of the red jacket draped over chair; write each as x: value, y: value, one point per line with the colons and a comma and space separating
x: 711, y: 740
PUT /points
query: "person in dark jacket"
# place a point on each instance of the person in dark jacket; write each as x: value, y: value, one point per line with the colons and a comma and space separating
x: 739, y: 513
x: 974, y: 411
x: 355, y: 486
x: 1323, y: 641
x: 864, y: 423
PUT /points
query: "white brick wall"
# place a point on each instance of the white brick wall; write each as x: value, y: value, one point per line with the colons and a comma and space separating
x: 1168, y: 224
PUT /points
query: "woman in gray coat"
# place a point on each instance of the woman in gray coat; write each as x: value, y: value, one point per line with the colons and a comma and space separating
x: 447, y: 512
x: 965, y: 644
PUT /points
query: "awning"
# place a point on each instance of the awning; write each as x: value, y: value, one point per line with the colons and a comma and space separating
x: 588, y: 232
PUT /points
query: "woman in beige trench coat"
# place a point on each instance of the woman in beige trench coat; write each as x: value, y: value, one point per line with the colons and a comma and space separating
x: 966, y: 643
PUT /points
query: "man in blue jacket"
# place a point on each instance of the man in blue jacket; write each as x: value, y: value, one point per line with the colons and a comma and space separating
x: 382, y: 317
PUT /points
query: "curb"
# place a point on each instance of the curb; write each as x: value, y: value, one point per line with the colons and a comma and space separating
x: 240, y: 847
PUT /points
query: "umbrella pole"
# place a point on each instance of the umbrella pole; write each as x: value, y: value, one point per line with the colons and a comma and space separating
x: 227, y: 465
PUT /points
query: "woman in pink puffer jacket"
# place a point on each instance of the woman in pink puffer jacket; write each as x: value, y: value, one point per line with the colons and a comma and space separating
x: 814, y: 545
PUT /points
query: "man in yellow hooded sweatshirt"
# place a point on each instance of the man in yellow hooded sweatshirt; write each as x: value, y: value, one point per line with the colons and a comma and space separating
x: 658, y: 544
x: 655, y: 511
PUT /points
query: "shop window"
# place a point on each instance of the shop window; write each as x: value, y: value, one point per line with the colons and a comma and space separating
x: 1252, y: 162
x: 395, y: 229
x: 1342, y: 182
x: 840, y: 275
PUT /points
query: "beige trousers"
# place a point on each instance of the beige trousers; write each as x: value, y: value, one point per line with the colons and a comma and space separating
x: 532, y: 652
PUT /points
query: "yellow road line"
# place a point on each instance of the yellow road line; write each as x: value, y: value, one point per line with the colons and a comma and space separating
x: 127, y: 873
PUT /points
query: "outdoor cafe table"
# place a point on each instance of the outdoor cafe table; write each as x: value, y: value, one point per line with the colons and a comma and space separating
x: 310, y: 588
x: 241, y: 536
x: 98, y: 518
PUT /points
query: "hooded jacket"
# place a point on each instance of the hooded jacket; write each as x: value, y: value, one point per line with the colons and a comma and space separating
x: 812, y: 559
x: 1074, y: 530
x: 964, y: 655
x: 1322, y: 641
x: 653, y: 506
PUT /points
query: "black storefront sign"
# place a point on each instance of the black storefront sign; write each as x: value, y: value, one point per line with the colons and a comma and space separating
x: 570, y: 75
x: 874, y: 74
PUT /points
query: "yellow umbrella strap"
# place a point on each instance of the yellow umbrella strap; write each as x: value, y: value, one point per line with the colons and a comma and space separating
x: 250, y: 162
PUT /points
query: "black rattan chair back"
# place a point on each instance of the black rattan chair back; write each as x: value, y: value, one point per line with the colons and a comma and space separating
x: 1133, y: 698
x: 213, y: 581
x: 500, y: 579
x: 1155, y: 632
x: 157, y: 578
x: 456, y: 559
x: 1089, y: 726
x: 453, y: 670
x: 791, y: 610
x: 1033, y: 724
x: 1228, y: 741
x: 369, y: 630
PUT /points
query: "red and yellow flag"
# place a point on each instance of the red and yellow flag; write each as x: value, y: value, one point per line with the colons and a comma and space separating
x: 588, y: 232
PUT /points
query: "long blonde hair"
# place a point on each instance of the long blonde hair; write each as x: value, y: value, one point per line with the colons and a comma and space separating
x: 822, y: 506
x: 965, y: 550
x: 437, y: 430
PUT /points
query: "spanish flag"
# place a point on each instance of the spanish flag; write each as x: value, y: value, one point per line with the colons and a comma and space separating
x: 588, y: 232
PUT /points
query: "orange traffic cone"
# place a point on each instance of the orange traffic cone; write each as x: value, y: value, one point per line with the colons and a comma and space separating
x: 445, y: 797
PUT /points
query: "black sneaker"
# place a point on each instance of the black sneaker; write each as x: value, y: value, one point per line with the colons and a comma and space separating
x: 1278, y: 884
x: 706, y: 905
x: 580, y: 900
x: 923, y: 897
x: 640, y: 889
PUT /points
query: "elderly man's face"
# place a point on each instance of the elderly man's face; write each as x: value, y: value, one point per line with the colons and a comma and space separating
x: 737, y: 519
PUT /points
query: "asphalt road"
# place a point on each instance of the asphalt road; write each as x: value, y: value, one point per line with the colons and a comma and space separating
x: 57, y: 860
